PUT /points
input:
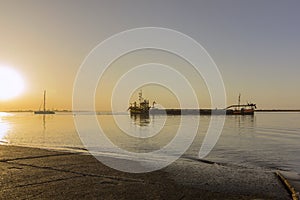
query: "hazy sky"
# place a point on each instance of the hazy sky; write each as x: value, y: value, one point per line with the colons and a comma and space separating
x: 255, y: 44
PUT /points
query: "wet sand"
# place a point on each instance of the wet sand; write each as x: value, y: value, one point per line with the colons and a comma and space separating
x: 43, y: 174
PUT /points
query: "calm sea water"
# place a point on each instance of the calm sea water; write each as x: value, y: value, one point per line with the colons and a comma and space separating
x: 269, y: 140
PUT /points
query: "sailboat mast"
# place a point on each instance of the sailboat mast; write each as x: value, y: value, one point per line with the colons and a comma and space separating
x: 44, y: 100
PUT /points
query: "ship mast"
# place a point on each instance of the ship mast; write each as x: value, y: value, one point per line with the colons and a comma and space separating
x: 239, y: 101
x: 44, y: 100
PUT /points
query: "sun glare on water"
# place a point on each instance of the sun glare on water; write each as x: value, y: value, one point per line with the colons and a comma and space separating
x: 11, y: 83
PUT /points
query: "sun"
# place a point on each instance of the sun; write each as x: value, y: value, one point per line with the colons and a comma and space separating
x: 11, y: 83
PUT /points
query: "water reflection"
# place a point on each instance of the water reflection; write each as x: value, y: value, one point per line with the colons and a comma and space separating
x: 244, y: 122
x: 4, y: 127
x: 44, y: 119
x: 44, y: 123
x: 242, y: 119
x: 141, y: 119
x: 265, y: 139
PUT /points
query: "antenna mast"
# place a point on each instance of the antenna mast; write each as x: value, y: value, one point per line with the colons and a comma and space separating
x: 140, y: 96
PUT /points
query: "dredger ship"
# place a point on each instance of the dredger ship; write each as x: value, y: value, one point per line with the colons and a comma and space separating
x: 144, y: 108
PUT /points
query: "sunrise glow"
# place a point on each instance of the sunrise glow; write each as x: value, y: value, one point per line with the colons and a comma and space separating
x: 11, y: 83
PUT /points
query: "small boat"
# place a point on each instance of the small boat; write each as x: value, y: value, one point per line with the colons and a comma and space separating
x: 44, y: 111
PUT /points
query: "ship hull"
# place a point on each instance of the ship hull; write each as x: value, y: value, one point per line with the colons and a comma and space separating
x: 200, y: 112
x: 139, y: 112
x: 44, y: 112
x: 143, y: 108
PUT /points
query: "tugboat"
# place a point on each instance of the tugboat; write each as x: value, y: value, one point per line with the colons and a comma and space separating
x: 142, y: 108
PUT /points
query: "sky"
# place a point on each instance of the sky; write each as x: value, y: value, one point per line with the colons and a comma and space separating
x: 255, y: 45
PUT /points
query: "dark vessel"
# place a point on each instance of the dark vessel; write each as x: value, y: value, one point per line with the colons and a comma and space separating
x: 144, y: 108
x: 44, y: 111
x: 141, y: 108
x: 245, y: 109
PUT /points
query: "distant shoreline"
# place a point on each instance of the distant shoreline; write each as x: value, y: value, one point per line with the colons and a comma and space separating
x: 259, y: 110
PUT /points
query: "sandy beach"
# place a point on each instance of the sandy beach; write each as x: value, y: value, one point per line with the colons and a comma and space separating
x: 30, y: 173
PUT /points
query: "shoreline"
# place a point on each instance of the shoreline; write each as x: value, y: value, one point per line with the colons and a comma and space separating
x: 43, y: 173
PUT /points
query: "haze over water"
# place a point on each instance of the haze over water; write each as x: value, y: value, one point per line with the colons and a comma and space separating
x: 268, y: 140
